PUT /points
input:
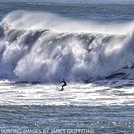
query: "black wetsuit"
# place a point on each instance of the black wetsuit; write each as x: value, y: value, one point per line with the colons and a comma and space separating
x: 64, y: 84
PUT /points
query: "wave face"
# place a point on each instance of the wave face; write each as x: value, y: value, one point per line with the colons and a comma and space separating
x: 45, y: 47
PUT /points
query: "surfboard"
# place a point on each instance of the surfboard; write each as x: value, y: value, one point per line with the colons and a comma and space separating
x: 59, y: 89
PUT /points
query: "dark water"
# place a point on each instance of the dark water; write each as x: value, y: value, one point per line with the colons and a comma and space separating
x: 98, y: 120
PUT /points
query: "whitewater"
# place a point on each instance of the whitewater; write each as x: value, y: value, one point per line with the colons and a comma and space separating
x: 90, y: 44
x: 71, y: 50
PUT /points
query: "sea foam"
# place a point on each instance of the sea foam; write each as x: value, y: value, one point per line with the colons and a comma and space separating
x: 45, y: 47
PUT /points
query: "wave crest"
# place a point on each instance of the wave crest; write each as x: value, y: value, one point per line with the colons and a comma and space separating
x: 47, y: 51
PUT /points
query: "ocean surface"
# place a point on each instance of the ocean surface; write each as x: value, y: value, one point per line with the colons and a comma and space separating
x: 89, y: 43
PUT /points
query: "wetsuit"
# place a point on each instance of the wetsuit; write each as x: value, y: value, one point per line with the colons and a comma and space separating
x: 64, y: 84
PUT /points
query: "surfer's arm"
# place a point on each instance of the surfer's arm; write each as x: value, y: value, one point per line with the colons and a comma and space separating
x: 61, y: 82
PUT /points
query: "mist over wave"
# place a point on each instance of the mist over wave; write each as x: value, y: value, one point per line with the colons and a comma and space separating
x: 45, y: 47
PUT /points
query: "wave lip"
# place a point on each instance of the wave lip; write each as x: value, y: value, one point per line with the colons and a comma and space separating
x: 44, y: 20
x: 47, y: 51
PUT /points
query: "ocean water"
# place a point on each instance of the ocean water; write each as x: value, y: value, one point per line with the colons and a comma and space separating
x: 88, y: 43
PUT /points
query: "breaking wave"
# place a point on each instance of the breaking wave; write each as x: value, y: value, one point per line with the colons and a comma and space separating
x: 44, y: 47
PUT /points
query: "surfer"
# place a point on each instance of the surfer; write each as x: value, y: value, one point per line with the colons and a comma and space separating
x: 64, y: 84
